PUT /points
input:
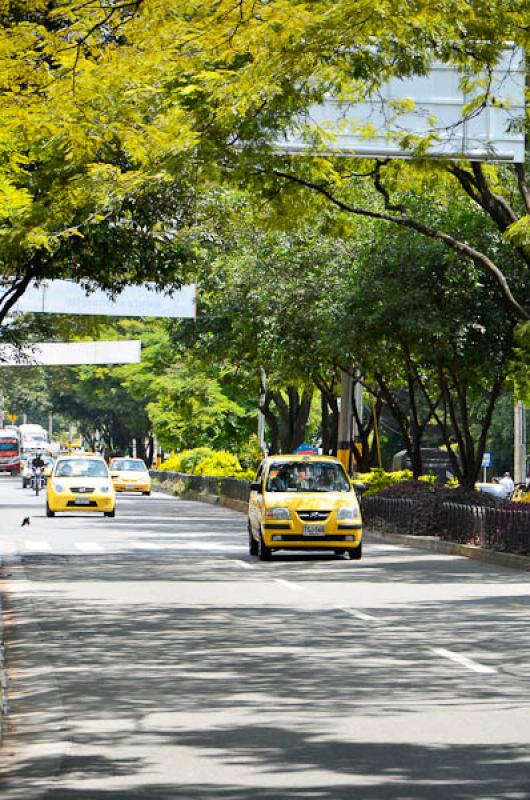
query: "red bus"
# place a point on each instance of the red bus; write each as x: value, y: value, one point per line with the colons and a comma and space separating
x: 9, y: 452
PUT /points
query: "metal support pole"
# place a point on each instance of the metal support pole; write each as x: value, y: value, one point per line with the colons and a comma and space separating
x: 261, y: 415
x: 345, y: 418
x: 358, y: 405
x: 519, y: 443
x: 2, y: 411
x: 50, y: 425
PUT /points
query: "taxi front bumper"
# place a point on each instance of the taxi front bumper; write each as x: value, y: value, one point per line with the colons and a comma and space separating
x: 345, y: 536
x: 69, y: 501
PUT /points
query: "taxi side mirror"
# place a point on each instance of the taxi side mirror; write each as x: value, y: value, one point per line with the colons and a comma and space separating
x: 255, y: 486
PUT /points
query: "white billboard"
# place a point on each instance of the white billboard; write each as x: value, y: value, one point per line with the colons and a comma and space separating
x: 63, y: 354
x: 389, y: 123
x: 67, y: 297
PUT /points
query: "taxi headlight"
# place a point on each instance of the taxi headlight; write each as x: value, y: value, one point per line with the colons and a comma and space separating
x: 277, y: 513
x: 57, y: 487
x: 105, y: 489
x: 348, y: 512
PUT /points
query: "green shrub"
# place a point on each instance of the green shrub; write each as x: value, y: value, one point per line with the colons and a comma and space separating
x: 250, y: 455
x: 378, y: 479
x: 222, y: 464
x: 187, y: 460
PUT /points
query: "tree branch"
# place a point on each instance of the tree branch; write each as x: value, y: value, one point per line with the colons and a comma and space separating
x: 481, y: 259
x: 523, y: 186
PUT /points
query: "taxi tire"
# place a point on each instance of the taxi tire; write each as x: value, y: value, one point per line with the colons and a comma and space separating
x: 146, y: 493
x: 264, y: 552
x: 110, y: 513
x: 357, y: 554
x: 252, y: 543
x: 49, y: 512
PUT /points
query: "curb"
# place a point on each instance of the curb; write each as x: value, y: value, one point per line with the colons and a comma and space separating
x: 430, y: 543
x: 4, y: 705
x: 436, y: 545
x: 211, y: 499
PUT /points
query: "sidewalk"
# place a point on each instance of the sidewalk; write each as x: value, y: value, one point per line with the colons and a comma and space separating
x: 35, y: 739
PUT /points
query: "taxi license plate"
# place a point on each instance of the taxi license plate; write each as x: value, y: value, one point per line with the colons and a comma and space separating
x: 82, y: 501
x: 314, y: 530
x: 130, y: 486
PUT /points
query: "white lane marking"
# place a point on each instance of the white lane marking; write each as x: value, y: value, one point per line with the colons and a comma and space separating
x: 240, y: 563
x: 354, y: 612
x: 464, y: 661
x: 290, y: 585
x: 7, y: 547
x: 89, y: 547
x: 39, y: 547
x: 146, y: 546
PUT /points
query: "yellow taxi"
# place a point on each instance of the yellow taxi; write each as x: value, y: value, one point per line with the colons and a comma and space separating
x: 303, y: 503
x: 80, y: 483
x: 130, y: 475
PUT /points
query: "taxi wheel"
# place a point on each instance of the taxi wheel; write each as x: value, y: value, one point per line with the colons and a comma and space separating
x: 264, y: 552
x: 110, y: 513
x: 252, y: 543
x: 146, y: 493
x: 49, y: 512
x: 357, y: 554
x: 339, y: 552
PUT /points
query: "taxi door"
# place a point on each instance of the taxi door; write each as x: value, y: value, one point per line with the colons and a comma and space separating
x: 255, y: 501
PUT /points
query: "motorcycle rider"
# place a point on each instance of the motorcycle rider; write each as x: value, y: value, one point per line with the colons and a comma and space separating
x: 38, y: 461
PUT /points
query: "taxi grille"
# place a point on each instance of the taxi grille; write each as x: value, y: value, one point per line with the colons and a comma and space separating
x: 82, y: 489
x: 313, y: 516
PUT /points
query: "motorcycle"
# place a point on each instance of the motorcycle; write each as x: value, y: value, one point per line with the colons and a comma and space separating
x: 38, y: 481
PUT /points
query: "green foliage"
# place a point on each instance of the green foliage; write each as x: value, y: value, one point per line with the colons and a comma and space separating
x: 204, y: 461
x: 378, y: 479
x: 250, y: 455
x: 186, y: 461
x: 221, y: 464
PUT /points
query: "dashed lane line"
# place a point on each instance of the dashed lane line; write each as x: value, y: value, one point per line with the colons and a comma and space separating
x: 89, y: 547
x: 37, y: 547
x: 295, y: 586
x: 354, y: 612
x: 241, y: 563
x: 463, y: 660
x: 146, y: 546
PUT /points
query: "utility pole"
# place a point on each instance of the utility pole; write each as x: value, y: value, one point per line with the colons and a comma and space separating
x: 345, y: 419
x: 519, y: 443
x: 2, y: 411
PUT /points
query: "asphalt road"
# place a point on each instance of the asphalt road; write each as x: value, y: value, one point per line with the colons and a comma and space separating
x: 152, y: 657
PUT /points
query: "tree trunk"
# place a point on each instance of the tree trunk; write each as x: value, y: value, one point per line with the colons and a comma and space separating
x: 293, y: 414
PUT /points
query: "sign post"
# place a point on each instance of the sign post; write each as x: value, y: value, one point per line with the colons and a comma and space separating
x: 486, y: 462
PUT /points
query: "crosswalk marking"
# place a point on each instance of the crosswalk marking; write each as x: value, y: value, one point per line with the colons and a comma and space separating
x: 89, y: 547
x: 38, y: 547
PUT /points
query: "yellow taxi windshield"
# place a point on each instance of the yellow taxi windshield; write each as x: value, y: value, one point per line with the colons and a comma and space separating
x: 310, y: 476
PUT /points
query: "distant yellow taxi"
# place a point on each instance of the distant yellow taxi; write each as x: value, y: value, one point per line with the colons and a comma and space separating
x: 80, y: 483
x: 303, y: 503
x: 130, y: 475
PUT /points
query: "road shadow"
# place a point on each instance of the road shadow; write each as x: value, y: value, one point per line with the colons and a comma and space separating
x: 293, y: 702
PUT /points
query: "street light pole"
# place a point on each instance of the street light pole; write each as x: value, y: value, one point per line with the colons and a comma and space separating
x: 519, y: 443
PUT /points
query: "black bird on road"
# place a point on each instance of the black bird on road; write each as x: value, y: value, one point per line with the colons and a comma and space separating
x: 25, y: 521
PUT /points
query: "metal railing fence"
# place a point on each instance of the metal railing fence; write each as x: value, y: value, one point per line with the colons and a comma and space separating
x: 502, y: 529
